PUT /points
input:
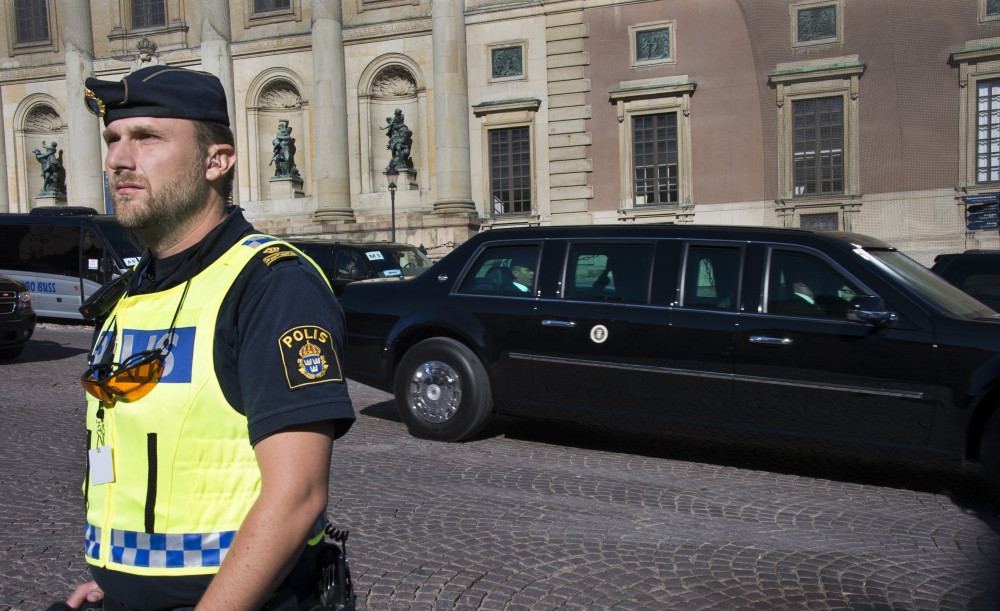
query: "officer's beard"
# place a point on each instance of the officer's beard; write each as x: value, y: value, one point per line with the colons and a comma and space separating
x: 167, y: 213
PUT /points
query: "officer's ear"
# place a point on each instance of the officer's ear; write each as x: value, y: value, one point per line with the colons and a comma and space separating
x: 221, y: 159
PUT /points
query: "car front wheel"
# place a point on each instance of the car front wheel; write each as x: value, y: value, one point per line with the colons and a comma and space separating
x: 442, y: 390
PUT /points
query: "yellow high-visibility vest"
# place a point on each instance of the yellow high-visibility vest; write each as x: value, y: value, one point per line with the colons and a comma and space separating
x: 184, y: 472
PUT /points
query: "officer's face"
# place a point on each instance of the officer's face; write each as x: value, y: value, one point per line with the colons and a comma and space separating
x: 156, y: 174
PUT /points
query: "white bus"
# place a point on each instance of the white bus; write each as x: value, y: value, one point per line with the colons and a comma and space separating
x: 63, y: 254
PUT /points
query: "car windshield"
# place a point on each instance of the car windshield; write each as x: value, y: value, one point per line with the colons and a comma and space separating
x: 392, y: 261
x: 929, y: 286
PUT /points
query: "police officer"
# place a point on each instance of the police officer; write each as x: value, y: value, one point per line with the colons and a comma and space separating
x: 215, y: 387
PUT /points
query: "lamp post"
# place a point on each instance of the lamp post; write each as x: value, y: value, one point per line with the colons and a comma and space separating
x: 392, y: 174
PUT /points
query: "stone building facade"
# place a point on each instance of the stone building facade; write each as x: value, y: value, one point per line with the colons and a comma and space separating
x: 875, y: 116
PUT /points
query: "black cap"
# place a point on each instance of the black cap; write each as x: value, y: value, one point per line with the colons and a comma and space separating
x: 159, y: 91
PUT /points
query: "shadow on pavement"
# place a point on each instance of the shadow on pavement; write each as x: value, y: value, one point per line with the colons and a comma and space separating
x: 37, y: 351
x: 963, y: 485
x: 385, y: 410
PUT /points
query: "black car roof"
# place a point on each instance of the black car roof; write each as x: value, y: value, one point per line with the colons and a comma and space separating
x: 318, y: 241
x: 715, y: 232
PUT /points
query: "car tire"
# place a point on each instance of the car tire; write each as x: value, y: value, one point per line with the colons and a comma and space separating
x: 989, y: 454
x: 442, y: 390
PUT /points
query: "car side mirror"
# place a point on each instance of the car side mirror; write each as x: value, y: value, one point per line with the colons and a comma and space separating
x: 357, y: 274
x: 869, y: 309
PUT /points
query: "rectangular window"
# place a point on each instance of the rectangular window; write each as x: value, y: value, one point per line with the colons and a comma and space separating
x: 711, y: 277
x: 264, y: 6
x: 510, y: 170
x: 654, y: 143
x: 988, y: 131
x: 507, y: 270
x: 148, y: 14
x: 32, y: 21
x: 609, y: 272
x: 992, y: 8
x: 818, y: 145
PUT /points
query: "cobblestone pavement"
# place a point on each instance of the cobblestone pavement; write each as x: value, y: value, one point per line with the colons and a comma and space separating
x: 534, y: 516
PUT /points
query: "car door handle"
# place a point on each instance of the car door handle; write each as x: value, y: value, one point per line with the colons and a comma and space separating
x: 569, y: 324
x: 771, y: 341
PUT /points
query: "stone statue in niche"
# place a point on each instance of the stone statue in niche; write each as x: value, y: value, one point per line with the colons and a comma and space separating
x: 283, y: 158
x: 53, y: 171
x: 400, y: 140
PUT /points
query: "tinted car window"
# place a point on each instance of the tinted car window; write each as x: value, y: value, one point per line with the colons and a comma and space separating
x: 608, y: 272
x: 492, y: 272
x: 928, y: 285
x: 711, y: 277
x: 800, y: 284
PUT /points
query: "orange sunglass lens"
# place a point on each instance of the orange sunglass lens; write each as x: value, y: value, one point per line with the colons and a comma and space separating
x: 136, y: 381
x: 95, y: 389
x: 129, y: 384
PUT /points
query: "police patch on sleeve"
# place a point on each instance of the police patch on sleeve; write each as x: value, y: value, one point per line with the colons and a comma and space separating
x: 309, y: 356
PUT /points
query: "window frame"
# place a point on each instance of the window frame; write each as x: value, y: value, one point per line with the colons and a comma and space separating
x: 510, y: 186
x: 253, y: 18
x: 808, y: 80
x: 49, y: 44
x: 172, y: 32
x: 504, y: 114
x: 147, y: 28
x: 978, y: 61
x: 649, y: 97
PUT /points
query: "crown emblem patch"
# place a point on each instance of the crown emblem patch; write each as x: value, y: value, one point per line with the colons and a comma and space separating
x: 309, y: 356
x: 312, y: 363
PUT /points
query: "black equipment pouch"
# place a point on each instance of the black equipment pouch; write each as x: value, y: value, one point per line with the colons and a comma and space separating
x: 101, y: 301
x: 333, y: 572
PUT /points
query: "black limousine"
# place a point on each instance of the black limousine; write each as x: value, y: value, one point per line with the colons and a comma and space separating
x: 784, y: 335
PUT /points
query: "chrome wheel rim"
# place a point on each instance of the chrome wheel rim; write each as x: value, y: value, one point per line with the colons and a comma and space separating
x: 435, y: 392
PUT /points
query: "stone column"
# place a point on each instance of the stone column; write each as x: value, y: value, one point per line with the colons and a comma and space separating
x: 452, y: 164
x: 217, y: 57
x: 331, y: 162
x: 4, y: 191
x: 84, y: 167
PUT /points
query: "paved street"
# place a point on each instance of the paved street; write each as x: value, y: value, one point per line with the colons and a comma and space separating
x: 547, y: 516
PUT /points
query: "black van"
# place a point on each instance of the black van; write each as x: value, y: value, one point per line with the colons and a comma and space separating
x: 63, y: 254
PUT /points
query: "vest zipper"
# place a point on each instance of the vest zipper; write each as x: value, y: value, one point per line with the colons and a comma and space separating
x: 86, y: 478
x: 151, y: 482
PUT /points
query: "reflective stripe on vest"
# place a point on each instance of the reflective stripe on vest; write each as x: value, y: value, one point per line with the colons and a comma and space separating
x: 139, y: 549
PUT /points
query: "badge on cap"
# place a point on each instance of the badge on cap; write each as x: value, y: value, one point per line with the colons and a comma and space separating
x: 94, y: 104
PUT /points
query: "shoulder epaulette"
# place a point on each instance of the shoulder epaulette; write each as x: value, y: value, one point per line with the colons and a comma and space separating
x: 276, y: 252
